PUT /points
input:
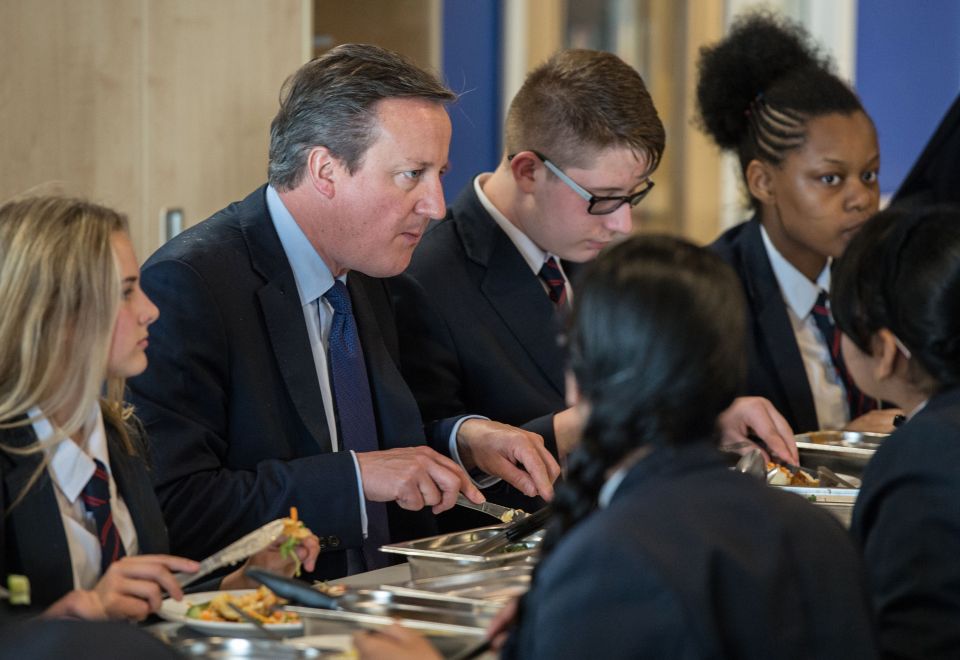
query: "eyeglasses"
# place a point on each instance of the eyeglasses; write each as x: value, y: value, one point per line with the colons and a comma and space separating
x: 596, y: 205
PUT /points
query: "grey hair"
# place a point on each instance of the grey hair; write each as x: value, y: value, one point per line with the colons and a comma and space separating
x: 331, y: 102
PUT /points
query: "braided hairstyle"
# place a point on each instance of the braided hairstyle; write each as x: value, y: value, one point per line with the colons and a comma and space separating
x: 655, y: 346
x: 902, y: 272
x: 758, y: 88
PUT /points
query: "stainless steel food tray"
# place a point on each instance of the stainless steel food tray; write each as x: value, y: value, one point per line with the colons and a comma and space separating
x: 845, y: 452
x: 446, y: 554
x: 229, y: 648
x: 317, y: 621
x: 496, y: 585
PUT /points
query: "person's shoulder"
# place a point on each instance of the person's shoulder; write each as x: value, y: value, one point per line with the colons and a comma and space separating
x: 215, y: 238
x: 733, y: 240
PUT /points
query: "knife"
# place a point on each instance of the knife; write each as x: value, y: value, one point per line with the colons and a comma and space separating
x: 251, y: 544
x: 501, y: 513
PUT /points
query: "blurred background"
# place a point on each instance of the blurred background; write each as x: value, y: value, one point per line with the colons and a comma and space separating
x: 161, y: 108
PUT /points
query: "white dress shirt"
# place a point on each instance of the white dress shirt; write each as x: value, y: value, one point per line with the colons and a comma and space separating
x: 800, y: 295
x: 70, y: 468
x: 530, y: 251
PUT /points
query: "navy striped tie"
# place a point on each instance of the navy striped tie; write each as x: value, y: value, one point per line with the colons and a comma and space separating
x: 556, y: 284
x: 96, y: 498
x: 858, y: 402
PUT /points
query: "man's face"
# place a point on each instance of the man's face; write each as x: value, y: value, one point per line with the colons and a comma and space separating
x: 559, y: 222
x: 384, y: 207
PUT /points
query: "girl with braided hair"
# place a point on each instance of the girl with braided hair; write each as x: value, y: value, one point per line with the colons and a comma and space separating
x: 809, y: 158
x: 656, y: 548
x: 896, y: 294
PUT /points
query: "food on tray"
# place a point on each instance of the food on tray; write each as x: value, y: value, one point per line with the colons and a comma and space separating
x: 260, y: 604
x: 778, y: 475
x: 296, y: 532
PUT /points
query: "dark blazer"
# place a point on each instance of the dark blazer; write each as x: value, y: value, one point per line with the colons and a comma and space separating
x: 774, y: 365
x: 907, y: 520
x: 691, y: 560
x: 478, y: 333
x: 32, y: 540
x: 231, y: 399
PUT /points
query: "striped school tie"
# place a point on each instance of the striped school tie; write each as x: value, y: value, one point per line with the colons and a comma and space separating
x: 556, y: 284
x: 96, y: 499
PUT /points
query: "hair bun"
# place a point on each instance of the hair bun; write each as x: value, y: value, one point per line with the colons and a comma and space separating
x: 759, y: 50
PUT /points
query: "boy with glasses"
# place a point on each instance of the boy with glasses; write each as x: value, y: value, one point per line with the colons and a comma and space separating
x: 480, y: 307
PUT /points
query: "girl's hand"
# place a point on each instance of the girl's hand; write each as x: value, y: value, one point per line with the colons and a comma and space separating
x: 273, y: 561
x: 394, y: 643
x: 132, y: 588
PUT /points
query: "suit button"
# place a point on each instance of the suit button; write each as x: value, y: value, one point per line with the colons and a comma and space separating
x: 333, y: 541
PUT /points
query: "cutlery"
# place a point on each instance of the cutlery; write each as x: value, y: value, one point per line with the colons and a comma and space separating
x: 830, y: 478
x: 752, y: 463
x: 251, y: 544
x: 512, y: 533
x: 249, y: 618
x: 501, y: 513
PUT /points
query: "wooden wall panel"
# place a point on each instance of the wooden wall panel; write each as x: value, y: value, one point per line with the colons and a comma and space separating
x: 215, y: 72
x: 68, y: 108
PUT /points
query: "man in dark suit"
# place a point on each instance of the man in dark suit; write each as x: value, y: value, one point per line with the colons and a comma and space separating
x: 274, y: 378
x: 480, y: 308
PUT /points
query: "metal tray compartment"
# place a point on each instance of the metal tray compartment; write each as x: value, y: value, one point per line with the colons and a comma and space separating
x: 845, y: 452
x: 449, y: 638
x: 496, y: 585
x: 838, y: 501
x: 446, y: 554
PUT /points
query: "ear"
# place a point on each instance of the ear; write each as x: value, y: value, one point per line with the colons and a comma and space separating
x: 322, y: 171
x: 883, y: 347
x: 759, y: 178
x: 524, y: 168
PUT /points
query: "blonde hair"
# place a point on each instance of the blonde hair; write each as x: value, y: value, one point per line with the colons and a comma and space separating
x: 59, y: 292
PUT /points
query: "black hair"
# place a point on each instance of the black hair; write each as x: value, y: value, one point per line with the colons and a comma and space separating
x: 758, y: 88
x: 655, y: 346
x: 902, y: 272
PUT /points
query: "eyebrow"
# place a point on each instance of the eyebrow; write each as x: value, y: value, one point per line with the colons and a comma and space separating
x: 840, y: 161
x: 130, y: 280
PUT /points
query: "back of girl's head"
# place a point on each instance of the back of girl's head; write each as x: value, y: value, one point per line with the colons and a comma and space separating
x: 655, y: 346
x: 760, y: 85
x: 902, y: 272
x: 59, y: 292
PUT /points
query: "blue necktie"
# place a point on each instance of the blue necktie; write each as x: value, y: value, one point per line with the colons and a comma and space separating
x: 96, y: 499
x: 858, y: 402
x: 351, y: 394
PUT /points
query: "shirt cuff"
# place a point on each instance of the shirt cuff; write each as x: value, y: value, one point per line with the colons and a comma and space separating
x: 479, y: 478
x: 363, y: 502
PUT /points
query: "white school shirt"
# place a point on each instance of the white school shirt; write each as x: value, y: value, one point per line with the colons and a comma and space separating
x: 70, y: 468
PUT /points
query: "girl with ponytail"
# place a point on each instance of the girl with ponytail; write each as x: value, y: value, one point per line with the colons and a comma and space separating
x: 809, y: 159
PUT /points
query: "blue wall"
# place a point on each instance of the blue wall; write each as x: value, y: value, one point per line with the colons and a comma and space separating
x: 908, y: 73
x: 472, y: 56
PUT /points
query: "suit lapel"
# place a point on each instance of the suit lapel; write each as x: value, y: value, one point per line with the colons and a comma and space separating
x: 33, y: 527
x: 775, y: 330
x: 396, y: 411
x: 515, y: 293
x: 135, y: 487
x: 283, y: 316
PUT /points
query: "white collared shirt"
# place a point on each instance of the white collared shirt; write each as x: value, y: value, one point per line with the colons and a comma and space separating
x: 70, y: 468
x: 530, y: 251
x: 800, y: 295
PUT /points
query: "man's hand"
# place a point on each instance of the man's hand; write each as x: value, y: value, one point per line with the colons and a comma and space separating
x: 414, y: 477
x: 754, y: 414
x: 875, y: 421
x: 498, y: 449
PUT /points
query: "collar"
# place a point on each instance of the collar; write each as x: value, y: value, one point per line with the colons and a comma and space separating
x: 70, y: 465
x: 312, y: 275
x: 530, y: 251
x: 799, y: 293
